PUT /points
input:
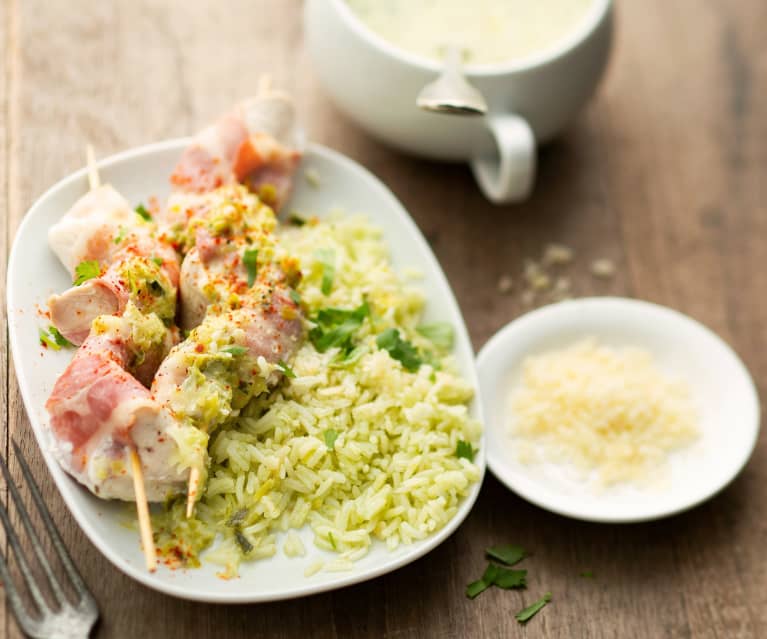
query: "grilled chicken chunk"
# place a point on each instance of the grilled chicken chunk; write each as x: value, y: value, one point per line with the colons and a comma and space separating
x: 99, y: 411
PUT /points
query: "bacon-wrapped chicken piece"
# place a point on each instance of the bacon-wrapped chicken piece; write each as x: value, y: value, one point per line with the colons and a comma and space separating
x: 100, y: 410
x: 114, y: 256
x: 257, y: 144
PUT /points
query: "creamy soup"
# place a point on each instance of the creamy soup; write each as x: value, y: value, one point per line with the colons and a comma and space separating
x: 489, y: 31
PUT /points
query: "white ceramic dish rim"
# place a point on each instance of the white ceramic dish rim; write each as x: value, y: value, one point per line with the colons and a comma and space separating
x: 138, y: 572
x: 596, y: 14
x: 495, y: 458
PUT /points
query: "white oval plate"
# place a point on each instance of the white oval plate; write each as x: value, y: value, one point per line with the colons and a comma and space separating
x: 34, y: 273
x: 719, y: 382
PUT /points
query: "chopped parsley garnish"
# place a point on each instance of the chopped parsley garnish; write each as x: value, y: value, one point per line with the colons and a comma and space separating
x: 399, y: 349
x: 349, y: 358
x: 296, y: 220
x: 237, y: 518
x: 86, y: 270
x: 157, y: 260
x: 465, y: 450
x: 330, y: 436
x: 327, y: 257
x: 120, y: 235
x: 505, y: 578
x: 508, y: 554
x: 500, y: 576
x: 508, y: 578
x: 335, y: 327
x: 294, y: 295
x: 156, y: 288
x: 332, y: 541
x: 143, y: 213
x: 249, y: 259
x: 235, y: 349
x: 483, y: 583
x: 53, y: 339
x: 523, y: 616
x: 476, y: 587
x: 438, y: 333
x: 243, y: 542
x: 286, y: 370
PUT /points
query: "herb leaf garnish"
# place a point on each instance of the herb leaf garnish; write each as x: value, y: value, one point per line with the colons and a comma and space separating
x: 438, y: 333
x: 250, y: 261
x: 286, y: 370
x: 523, y: 616
x: 327, y: 257
x: 399, y: 349
x: 235, y: 350
x: 243, y: 542
x: 330, y: 436
x: 336, y: 327
x: 120, y: 235
x: 86, y: 270
x: 465, y: 450
x: 507, y: 578
x: 53, y: 339
x: 508, y: 554
x: 143, y: 213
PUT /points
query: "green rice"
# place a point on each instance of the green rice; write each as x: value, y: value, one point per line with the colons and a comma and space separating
x: 391, y: 473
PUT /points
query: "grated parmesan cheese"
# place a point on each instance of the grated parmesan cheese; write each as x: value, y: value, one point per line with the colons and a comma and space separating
x: 610, y: 412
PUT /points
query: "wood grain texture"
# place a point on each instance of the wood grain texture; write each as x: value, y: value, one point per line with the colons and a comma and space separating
x: 664, y: 173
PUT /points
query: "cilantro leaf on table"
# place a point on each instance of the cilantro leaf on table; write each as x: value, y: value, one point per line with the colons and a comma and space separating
x: 508, y: 578
x: 524, y: 615
x: 508, y: 554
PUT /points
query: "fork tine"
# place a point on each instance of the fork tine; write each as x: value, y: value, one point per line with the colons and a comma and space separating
x: 27, y: 623
x: 29, y: 579
x: 37, y: 546
x: 58, y: 544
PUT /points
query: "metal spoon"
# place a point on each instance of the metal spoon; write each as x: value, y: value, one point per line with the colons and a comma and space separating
x: 451, y: 92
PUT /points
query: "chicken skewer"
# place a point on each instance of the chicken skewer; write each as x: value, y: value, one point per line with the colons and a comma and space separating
x: 103, y: 417
x: 256, y: 146
x: 97, y: 391
x: 139, y: 491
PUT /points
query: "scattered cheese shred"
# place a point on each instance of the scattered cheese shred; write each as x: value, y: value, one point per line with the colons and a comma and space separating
x: 608, y: 411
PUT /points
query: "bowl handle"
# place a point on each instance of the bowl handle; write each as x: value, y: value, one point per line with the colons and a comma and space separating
x: 505, y: 170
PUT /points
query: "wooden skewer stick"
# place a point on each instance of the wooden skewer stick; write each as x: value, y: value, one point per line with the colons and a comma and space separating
x: 93, y: 173
x: 142, y: 509
x: 191, y: 493
x: 142, y: 505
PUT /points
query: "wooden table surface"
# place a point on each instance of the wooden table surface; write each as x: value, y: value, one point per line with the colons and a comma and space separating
x: 665, y: 173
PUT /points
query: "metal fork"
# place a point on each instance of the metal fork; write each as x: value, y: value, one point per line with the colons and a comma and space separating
x: 65, y: 620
